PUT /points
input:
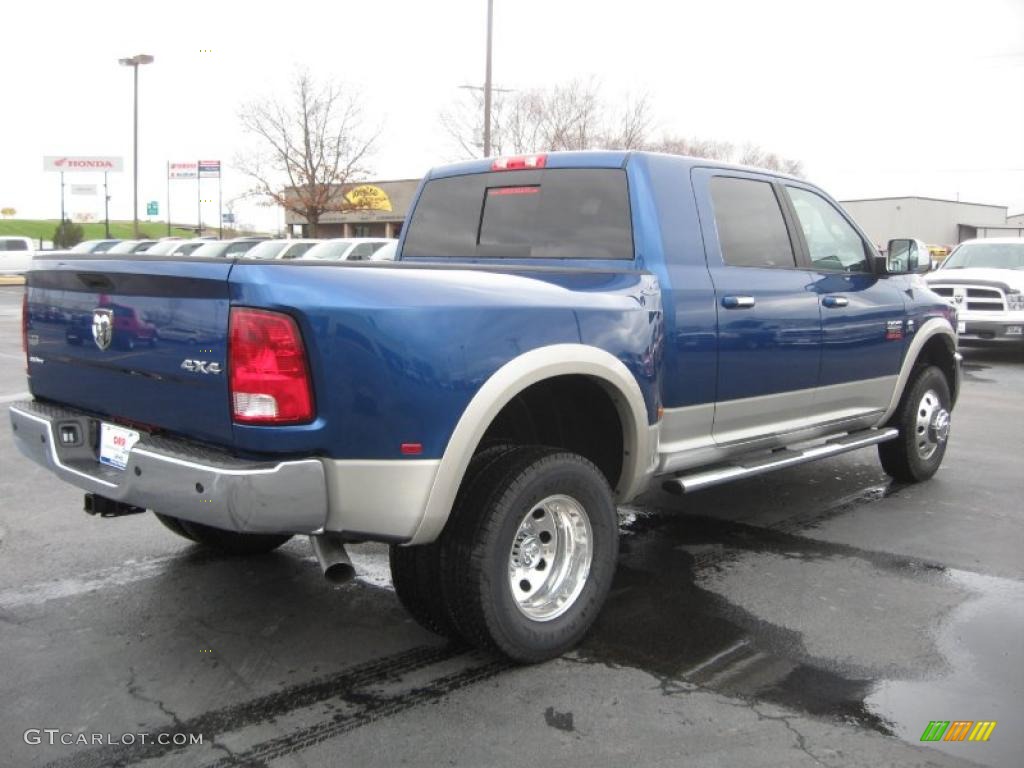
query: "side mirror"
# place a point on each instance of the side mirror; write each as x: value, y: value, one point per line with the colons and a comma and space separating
x: 904, y: 256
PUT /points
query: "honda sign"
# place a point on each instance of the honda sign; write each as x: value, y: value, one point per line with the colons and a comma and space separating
x: 68, y: 164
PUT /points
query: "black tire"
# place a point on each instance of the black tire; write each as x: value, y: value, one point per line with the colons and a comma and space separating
x: 416, y: 571
x: 230, y: 542
x: 173, y: 524
x: 478, y: 543
x: 903, y: 458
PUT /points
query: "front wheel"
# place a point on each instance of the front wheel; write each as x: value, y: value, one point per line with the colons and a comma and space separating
x: 528, y: 556
x: 923, y: 420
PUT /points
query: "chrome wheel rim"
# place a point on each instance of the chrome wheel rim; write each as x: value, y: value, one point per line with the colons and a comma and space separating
x: 550, y: 557
x: 932, y: 425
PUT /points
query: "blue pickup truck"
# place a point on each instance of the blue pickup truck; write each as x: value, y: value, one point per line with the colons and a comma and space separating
x: 558, y: 333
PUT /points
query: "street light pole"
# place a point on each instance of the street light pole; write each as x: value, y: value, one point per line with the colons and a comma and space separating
x: 487, y: 81
x: 134, y: 62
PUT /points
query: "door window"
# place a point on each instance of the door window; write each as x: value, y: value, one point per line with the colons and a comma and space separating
x: 833, y: 244
x: 751, y: 230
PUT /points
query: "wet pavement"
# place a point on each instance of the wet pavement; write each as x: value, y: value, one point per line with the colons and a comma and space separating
x: 816, y: 616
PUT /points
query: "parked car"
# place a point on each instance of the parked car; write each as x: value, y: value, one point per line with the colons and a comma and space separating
x: 346, y: 249
x: 281, y: 249
x: 94, y: 246
x: 569, y: 330
x: 984, y: 280
x: 238, y: 246
x: 130, y: 246
x: 175, y: 247
x: 15, y: 255
x: 386, y: 252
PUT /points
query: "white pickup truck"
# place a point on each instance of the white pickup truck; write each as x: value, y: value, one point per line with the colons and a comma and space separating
x: 15, y: 255
x: 984, y: 280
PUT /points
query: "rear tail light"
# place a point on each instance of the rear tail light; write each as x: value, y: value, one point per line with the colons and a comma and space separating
x: 519, y: 162
x: 269, y: 377
x: 24, y: 326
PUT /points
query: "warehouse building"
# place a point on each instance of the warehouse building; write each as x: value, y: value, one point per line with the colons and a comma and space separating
x: 934, y: 221
x: 365, y: 209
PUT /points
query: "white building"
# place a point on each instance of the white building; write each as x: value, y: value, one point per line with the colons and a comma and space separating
x: 934, y: 221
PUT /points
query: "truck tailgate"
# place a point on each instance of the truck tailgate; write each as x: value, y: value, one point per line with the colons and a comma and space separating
x: 138, y: 340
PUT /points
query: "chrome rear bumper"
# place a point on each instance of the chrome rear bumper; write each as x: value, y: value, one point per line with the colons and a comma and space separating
x: 178, y: 478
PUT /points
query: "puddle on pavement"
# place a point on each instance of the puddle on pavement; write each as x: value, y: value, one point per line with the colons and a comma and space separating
x: 660, y: 619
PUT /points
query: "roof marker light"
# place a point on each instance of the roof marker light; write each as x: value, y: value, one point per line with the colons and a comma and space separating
x: 519, y: 162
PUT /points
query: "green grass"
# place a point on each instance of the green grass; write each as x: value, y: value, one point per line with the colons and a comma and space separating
x: 43, y: 229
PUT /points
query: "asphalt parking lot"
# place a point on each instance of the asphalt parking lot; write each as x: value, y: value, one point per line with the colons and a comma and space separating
x: 820, y: 615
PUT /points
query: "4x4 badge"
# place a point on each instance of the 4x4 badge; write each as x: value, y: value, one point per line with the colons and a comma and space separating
x: 103, y: 327
x: 200, y: 366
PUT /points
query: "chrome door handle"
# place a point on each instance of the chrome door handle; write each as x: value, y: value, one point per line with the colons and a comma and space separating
x: 835, y: 301
x: 738, y: 302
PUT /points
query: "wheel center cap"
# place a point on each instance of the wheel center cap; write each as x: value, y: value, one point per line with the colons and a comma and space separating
x: 940, y: 425
x: 529, y: 550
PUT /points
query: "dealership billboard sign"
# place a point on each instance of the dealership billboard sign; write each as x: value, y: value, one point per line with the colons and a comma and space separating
x: 182, y: 170
x: 69, y: 164
x: 209, y: 169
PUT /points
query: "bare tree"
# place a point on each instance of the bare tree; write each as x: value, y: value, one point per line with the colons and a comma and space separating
x: 311, y: 143
x: 749, y: 154
x: 573, y: 116
x: 567, y: 116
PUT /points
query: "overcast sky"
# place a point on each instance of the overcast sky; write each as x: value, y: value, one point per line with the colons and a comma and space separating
x: 875, y: 97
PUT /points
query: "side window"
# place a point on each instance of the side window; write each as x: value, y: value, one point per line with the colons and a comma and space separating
x: 296, y: 250
x: 361, y: 252
x: 833, y: 244
x: 16, y: 245
x: 238, y: 248
x: 751, y: 230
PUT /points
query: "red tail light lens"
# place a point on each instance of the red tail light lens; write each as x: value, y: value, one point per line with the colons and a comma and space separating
x: 267, y: 367
x: 24, y: 326
x: 519, y: 163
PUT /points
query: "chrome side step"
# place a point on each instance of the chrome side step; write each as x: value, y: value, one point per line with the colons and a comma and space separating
x: 779, y: 459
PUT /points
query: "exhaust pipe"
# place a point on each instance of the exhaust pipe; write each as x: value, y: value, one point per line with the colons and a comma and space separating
x: 334, y: 560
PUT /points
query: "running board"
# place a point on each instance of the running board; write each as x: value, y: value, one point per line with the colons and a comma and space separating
x: 779, y: 459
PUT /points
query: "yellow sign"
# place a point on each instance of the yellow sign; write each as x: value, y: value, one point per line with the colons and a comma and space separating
x: 369, y: 197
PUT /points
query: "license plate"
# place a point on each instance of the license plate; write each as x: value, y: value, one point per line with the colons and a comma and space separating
x: 1013, y: 330
x: 961, y: 327
x: 115, y: 444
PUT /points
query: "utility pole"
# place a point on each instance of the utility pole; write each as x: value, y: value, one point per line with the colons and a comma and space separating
x: 106, y: 208
x: 134, y: 62
x: 487, y: 81
x: 168, y: 198
x: 199, y: 203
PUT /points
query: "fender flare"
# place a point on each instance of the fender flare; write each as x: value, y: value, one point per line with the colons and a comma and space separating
x: 931, y: 327
x: 508, y: 381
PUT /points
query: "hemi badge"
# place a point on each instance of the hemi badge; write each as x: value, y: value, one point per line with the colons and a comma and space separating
x: 893, y: 330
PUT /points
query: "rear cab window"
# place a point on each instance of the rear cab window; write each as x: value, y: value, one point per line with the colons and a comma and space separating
x: 13, y: 245
x: 555, y: 213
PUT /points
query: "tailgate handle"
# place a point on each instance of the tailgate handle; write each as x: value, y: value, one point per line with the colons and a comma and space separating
x: 96, y: 282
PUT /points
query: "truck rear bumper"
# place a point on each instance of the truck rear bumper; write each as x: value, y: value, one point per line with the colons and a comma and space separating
x: 177, y: 478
